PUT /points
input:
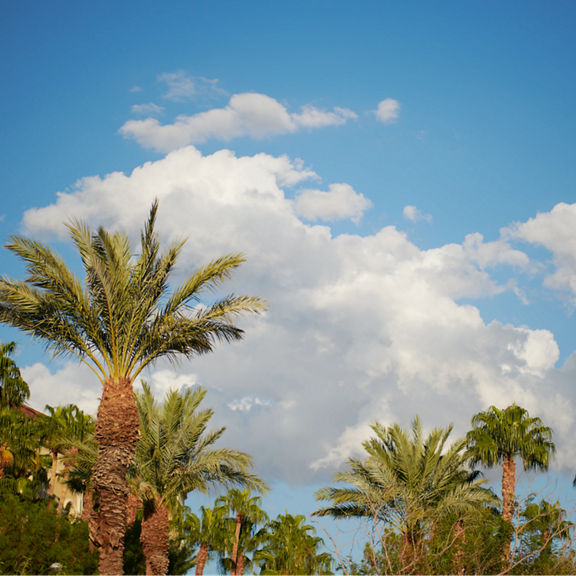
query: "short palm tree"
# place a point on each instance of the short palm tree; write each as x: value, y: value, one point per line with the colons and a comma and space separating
x: 13, y: 390
x: 407, y: 482
x: 120, y: 320
x: 176, y: 455
x: 290, y: 546
x: 544, y: 525
x: 66, y: 425
x: 208, y: 532
x: 246, y: 515
x: 498, y: 437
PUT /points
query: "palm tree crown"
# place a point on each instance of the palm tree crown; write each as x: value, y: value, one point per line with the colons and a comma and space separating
x: 123, y: 317
x: 500, y: 434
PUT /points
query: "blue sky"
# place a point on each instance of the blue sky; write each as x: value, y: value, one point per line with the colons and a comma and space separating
x: 420, y: 260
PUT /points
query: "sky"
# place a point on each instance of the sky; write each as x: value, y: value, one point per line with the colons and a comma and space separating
x: 399, y: 175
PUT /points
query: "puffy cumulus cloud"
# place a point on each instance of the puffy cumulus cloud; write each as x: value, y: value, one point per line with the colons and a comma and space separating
x: 246, y: 115
x: 359, y: 328
x: 556, y: 231
x: 414, y: 215
x: 340, y: 202
x: 388, y: 110
x: 61, y: 386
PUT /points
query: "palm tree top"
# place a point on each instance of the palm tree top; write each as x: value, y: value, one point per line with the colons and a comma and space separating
x: 123, y: 316
x: 500, y: 434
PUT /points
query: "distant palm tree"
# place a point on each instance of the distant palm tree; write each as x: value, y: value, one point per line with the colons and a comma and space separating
x: 13, y: 390
x: 544, y: 524
x: 207, y: 531
x: 409, y: 482
x: 119, y: 321
x: 247, y: 514
x: 65, y: 426
x: 176, y: 455
x: 290, y: 546
x: 498, y: 437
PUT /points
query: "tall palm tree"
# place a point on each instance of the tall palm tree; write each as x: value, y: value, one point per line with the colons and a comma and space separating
x: 176, y: 455
x: 498, y: 437
x: 13, y: 390
x: 120, y: 320
x: 290, y: 546
x: 247, y: 514
x: 407, y: 482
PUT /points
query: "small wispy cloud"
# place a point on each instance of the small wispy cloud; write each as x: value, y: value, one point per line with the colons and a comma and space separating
x: 414, y: 215
x: 388, y: 110
x: 148, y: 109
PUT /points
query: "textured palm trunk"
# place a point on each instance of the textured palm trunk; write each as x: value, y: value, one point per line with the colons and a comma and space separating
x: 408, y: 552
x: 460, y: 543
x: 132, y: 506
x: 117, y: 432
x: 201, y: 559
x: 241, y: 563
x: 155, y: 538
x: 508, y: 490
x: 235, y: 546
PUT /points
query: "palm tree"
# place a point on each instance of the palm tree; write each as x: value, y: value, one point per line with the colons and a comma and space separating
x: 407, y: 482
x: 247, y: 514
x: 544, y: 525
x: 66, y: 426
x: 291, y: 547
x: 498, y: 437
x: 13, y: 390
x: 175, y: 456
x: 207, y: 531
x: 119, y: 321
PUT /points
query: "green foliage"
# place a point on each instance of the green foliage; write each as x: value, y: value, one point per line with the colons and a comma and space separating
x: 176, y: 452
x: 290, y: 546
x: 33, y: 536
x: 122, y: 317
x: 500, y: 434
x: 13, y: 390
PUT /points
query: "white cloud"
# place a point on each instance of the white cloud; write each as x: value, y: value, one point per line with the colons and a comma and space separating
x: 556, y: 231
x: 246, y: 403
x: 148, y: 109
x: 246, y: 115
x: 340, y: 202
x: 388, y: 110
x: 414, y: 215
x: 312, y: 117
x: 360, y: 328
x: 180, y: 86
x: 61, y: 386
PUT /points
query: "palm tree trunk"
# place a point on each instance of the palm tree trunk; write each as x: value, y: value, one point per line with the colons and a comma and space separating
x: 508, y: 492
x: 241, y: 562
x: 155, y: 538
x: 117, y: 432
x: 201, y: 559
x: 459, y: 542
x: 53, y: 470
x: 236, y: 543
